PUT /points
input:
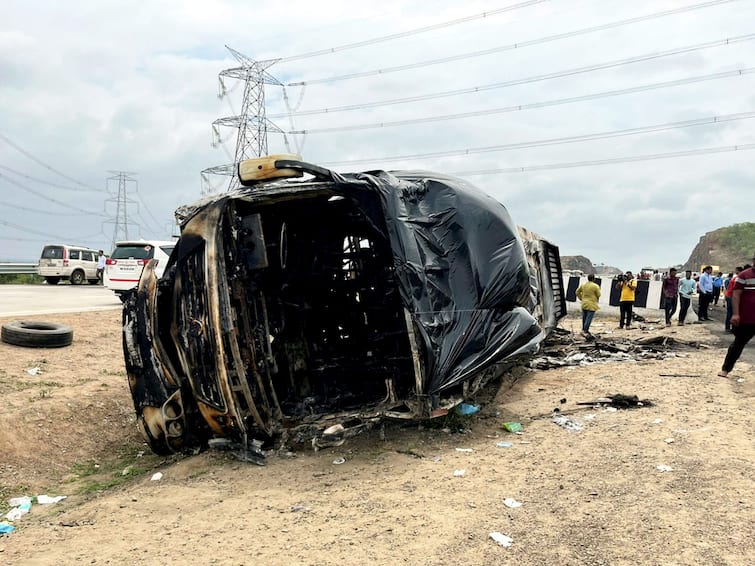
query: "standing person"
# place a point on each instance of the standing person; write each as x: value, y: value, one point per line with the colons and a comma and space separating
x: 627, y: 284
x: 100, y: 266
x: 687, y: 288
x: 742, y: 318
x: 589, y: 294
x: 727, y: 296
x: 718, y: 281
x: 670, y: 288
x: 705, y: 285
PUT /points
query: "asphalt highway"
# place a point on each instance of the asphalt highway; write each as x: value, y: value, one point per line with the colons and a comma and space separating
x: 26, y: 300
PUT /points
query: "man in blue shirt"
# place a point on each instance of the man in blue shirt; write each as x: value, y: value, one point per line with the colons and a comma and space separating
x: 705, y: 285
x: 718, y: 282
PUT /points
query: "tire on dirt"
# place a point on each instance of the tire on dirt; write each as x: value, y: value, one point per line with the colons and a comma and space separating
x: 36, y: 334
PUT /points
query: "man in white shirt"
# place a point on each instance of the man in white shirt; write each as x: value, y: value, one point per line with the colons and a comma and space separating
x: 100, y: 265
x: 687, y: 287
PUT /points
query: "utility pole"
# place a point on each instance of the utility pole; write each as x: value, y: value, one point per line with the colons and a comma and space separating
x: 251, y: 123
x: 118, y: 190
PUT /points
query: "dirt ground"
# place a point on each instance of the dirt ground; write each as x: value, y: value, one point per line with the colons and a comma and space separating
x: 589, y: 497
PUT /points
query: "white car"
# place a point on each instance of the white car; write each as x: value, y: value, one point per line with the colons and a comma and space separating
x: 124, y: 266
x: 64, y: 262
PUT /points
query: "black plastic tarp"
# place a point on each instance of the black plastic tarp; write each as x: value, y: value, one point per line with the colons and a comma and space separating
x: 462, y: 272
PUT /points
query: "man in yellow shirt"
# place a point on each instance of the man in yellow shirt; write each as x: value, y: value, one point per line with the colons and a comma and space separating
x: 588, y: 293
x: 627, y: 285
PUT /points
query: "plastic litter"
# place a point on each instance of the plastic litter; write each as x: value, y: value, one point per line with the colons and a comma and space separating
x: 47, y: 500
x: 464, y: 450
x: 339, y: 461
x: 17, y: 512
x: 459, y: 473
x: 16, y: 501
x: 157, y: 476
x: 570, y: 424
x: 6, y: 528
x: 664, y: 468
x: 511, y: 503
x: 502, y: 539
x: 740, y: 380
x: 513, y: 427
x: 668, y: 440
x: 657, y: 421
x: 34, y: 371
x: 466, y: 409
x: 504, y: 444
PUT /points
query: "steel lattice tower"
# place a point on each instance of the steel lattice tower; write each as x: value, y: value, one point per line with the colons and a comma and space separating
x: 251, y: 122
x: 119, y: 196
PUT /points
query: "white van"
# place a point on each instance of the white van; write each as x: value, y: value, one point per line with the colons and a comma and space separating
x: 63, y: 262
x: 124, y: 266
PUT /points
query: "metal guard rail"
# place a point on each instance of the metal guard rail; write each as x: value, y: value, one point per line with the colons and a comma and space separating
x: 18, y: 268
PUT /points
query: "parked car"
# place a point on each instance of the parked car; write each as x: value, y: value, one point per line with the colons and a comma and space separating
x: 307, y: 309
x: 61, y: 262
x: 124, y: 266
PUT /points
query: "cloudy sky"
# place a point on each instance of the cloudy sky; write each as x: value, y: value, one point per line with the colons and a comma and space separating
x: 607, y: 126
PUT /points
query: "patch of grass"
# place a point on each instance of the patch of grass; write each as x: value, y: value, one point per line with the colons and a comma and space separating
x: 129, y: 462
x: 21, y: 279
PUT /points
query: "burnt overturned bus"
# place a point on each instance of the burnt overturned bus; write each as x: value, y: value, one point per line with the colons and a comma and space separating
x: 308, y: 304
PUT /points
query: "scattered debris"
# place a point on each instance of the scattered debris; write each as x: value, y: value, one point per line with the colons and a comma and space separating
x: 511, y: 503
x: 47, y: 500
x: 657, y: 421
x: 459, y: 473
x: 679, y: 375
x: 34, y: 371
x: 466, y: 409
x: 570, y: 424
x: 668, y: 440
x: 502, y: 539
x: 339, y: 461
x: 513, y: 427
x: 464, y: 450
x: 664, y: 468
x: 6, y: 528
x: 504, y: 444
x: 620, y: 401
x: 157, y: 476
x: 562, y: 349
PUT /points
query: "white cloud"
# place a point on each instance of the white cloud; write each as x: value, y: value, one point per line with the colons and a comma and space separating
x: 122, y: 85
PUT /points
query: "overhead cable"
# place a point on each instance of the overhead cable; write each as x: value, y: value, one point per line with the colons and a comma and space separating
x: 527, y: 80
x: 48, y: 198
x: 512, y: 46
x: 45, y: 165
x: 28, y: 230
x: 557, y: 141
x: 50, y: 183
x: 48, y: 212
x: 411, y: 32
x: 530, y: 106
x: 592, y: 162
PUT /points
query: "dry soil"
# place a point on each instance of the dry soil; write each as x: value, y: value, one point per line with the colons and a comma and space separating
x: 589, y: 497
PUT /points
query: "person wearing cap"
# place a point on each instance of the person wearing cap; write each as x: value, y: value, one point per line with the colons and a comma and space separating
x: 627, y: 285
x: 742, y: 317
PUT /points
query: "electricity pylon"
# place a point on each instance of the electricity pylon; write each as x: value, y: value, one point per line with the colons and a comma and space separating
x: 119, y: 196
x: 251, y: 122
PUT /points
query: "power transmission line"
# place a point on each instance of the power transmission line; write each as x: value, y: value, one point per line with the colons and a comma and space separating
x: 48, y: 198
x: 530, y: 106
x: 593, y: 162
x: 48, y: 212
x: 411, y: 32
x: 50, y: 183
x: 43, y: 164
x: 558, y: 141
x: 28, y: 230
x: 527, y: 80
x: 512, y: 46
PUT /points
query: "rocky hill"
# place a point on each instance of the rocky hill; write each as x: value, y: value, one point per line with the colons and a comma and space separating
x: 726, y: 247
x: 577, y: 263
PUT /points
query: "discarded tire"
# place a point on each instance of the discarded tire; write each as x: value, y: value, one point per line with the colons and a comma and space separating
x: 35, y: 334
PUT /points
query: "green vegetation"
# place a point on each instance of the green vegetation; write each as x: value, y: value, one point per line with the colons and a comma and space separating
x: 130, y: 462
x: 739, y: 239
x: 20, y: 279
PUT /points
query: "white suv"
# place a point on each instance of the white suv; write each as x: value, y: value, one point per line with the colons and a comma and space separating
x: 124, y: 266
x: 74, y: 263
